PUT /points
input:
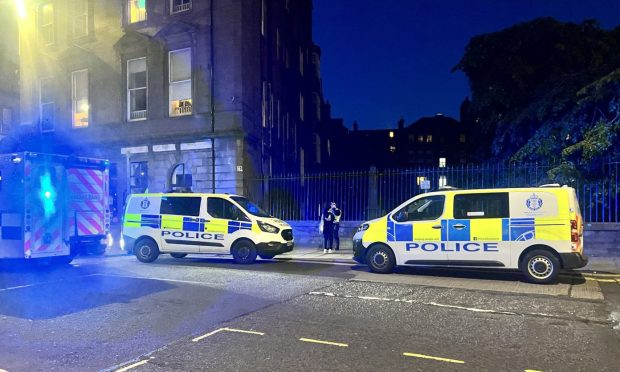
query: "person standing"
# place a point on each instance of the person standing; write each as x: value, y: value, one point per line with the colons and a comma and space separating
x: 337, y: 213
x: 328, y: 230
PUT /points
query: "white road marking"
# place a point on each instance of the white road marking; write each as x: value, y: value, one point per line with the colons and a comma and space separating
x: 207, y: 335
x: 472, y: 309
x: 225, y: 329
x: 48, y: 282
x: 132, y: 366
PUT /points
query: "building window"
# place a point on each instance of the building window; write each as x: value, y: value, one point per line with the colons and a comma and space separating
x: 277, y: 44
x: 392, y: 149
x: 139, y: 176
x: 136, y: 11
x: 301, y: 62
x: 301, y: 106
x: 6, y: 120
x: 391, y: 134
x: 137, y: 92
x: 317, y: 144
x: 178, y: 6
x: 263, y: 16
x: 420, y: 138
x: 443, y: 181
x: 462, y: 138
x: 79, y: 94
x: 80, y: 18
x: 442, y: 162
x: 46, y: 23
x: 317, y: 104
x: 419, y: 180
x: 180, y: 80
x: 46, y: 104
x: 429, y: 138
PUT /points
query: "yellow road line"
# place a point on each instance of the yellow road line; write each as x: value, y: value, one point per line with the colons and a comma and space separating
x: 434, y: 358
x: 131, y: 366
x: 243, y: 331
x: 207, y: 335
x: 532, y: 370
x: 602, y: 280
x: 323, y: 342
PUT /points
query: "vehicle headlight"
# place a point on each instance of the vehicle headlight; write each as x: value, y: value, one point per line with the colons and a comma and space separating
x: 268, y: 228
x: 363, y: 227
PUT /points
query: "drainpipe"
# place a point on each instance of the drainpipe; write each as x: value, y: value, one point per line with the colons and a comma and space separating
x: 212, y: 78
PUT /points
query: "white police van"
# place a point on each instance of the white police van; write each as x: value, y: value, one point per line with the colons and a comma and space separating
x: 536, y: 230
x: 182, y: 223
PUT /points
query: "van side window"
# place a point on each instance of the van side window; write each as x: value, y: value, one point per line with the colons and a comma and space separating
x: 222, y: 208
x: 488, y: 205
x: 180, y: 205
x: 425, y: 209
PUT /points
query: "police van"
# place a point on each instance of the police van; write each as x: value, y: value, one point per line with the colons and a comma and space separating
x: 182, y: 223
x: 536, y: 230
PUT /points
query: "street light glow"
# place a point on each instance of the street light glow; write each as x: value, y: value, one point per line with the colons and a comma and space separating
x: 21, y: 8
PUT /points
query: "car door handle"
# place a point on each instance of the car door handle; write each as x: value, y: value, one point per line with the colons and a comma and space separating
x: 437, y: 227
x: 459, y: 226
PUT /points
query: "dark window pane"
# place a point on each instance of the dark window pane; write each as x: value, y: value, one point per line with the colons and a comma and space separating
x: 425, y: 209
x: 490, y: 205
x: 222, y: 208
x: 181, y: 205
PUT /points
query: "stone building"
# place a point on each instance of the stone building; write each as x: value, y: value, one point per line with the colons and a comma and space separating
x: 9, y: 68
x: 436, y: 141
x: 230, y: 88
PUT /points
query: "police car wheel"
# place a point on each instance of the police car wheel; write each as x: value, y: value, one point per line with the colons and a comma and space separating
x: 541, y: 266
x: 380, y: 259
x: 146, y: 250
x: 178, y: 255
x: 244, y: 252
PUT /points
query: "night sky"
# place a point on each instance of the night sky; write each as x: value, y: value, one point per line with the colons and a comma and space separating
x: 383, y: 59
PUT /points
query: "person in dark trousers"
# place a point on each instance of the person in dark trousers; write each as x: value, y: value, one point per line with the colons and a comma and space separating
x: 337, y: 213
x: 328, y: 230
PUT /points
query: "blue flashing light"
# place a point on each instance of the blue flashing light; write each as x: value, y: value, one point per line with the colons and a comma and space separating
x: 47, y: 195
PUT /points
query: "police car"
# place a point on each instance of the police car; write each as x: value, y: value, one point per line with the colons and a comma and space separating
x: 181, y: 223
x: 536, y: 230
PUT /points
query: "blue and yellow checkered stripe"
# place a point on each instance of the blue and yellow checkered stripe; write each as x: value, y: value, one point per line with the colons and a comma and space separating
x: 181, y: 223
x: 512, y: 229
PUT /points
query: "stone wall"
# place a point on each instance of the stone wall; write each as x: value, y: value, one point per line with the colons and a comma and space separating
x: 307, y: 233
x: 602, y: 240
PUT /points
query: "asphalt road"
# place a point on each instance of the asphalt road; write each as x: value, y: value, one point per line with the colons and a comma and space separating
x: 210, y: 314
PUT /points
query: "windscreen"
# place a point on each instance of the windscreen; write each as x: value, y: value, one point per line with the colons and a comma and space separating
x: 250, y: 207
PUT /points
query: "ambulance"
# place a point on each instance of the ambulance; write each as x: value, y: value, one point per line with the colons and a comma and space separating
x: 535, y: 230
x: 53, y: 206
x: 183, y: 223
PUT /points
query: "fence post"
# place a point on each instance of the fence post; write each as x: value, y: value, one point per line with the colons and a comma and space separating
x: 373, y: 193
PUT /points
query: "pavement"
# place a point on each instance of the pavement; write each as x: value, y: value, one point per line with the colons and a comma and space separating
x: 597, y: 266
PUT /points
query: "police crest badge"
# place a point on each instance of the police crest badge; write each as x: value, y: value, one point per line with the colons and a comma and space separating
x: 534, y: 202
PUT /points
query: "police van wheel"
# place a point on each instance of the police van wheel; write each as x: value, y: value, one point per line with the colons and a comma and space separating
x: 178, y: 255
x: 244, y: 252
x: 540, y: 266
x: 381, y: 259
x: 146, y: 250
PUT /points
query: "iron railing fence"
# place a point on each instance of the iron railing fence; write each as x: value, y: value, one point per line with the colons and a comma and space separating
x: 363, y: 195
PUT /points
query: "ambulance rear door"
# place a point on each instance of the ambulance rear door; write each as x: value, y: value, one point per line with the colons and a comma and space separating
x: 44, y: 208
